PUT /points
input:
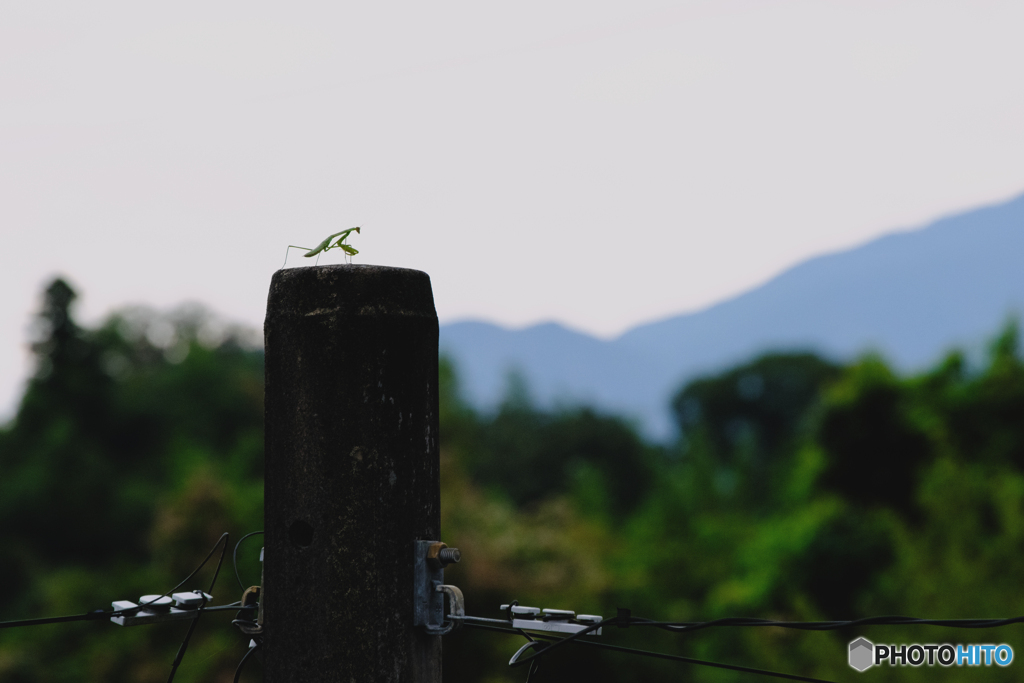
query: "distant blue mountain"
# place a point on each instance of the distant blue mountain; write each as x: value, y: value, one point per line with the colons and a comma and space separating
x: 910, y: 296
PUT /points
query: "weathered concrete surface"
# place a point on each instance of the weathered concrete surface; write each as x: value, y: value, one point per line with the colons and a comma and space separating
x: 351, y: 473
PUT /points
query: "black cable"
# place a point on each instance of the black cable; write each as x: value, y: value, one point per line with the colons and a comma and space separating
x: 625, y: 620
x: 643, y: 653
x: 532, y: 670
x: 238, y: 671
x: 701, y: 662
x: 536, y: 663
x: 679, y: 627
x: 100, y: 615
x: 234, y: 557
x: 184, y: 643
x: 683, y: 626
x: 194, y: 571
x: 199, y: 612
x: 559, y: 641
x: 220, y: 562
x: 88, y: 616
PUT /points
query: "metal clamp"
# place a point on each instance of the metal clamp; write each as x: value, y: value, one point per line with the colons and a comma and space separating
x: 456, y: 608
x: 552, y: 620
x: 153, y: 609
x: 429, y: 588
x: 253, y: 596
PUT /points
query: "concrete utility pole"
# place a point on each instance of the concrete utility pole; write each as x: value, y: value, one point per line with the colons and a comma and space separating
x: 351, y: 473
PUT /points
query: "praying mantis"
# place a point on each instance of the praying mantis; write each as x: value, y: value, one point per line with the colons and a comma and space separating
x: 326, y: 245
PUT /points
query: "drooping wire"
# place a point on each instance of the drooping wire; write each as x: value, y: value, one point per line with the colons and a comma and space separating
x: 530, y: 643
x: 624, y: 619
x: 234, y: 557
x: 192, y: 627
x: 684, y: 626
x: 238, y: 671
x: 195, y: 571
x: 100, y: 615
x: 534, y: 665
x: 184, y: 643
x: 643, y: 653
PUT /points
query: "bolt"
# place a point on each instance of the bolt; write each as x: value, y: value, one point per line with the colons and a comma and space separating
x: 439, y: 554
x: 449, y: 555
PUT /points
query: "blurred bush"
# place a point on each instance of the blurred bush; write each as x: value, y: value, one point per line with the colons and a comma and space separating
x: 134, y: 447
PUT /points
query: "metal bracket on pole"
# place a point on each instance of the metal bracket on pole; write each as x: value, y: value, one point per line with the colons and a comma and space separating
x: 253, y: 596
x: 429, y: 589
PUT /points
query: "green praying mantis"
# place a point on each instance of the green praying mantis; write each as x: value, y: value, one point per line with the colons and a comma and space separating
x: 327, y: 245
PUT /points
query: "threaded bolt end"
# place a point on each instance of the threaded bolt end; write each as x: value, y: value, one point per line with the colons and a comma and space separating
x: 448, y: 556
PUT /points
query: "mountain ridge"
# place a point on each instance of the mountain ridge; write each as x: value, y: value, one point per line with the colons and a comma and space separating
x: 910, y: 295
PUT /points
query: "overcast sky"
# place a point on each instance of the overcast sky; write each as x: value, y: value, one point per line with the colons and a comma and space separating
x: 597, y: 163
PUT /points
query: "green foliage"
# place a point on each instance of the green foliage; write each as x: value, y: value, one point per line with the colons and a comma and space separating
x: 799, y: 489
x: 135, y: 445
x: 874, y: 447
x: 531, y: 456
x: 748, y: 420
x: 763, y: 401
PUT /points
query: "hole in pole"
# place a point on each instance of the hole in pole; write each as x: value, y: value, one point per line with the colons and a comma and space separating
x: 300, y: 534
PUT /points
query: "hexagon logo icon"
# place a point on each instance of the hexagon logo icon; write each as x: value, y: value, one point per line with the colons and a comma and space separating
x: 862, y: 654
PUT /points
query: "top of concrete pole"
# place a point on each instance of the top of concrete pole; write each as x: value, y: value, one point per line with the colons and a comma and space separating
x: 350, y: 289
x: 352, y: 473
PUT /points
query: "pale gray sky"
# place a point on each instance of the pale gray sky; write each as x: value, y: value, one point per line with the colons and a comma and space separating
x: 597, y: 163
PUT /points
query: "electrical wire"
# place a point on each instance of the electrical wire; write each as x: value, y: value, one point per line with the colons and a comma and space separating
x: 234, y: 557
x: 199, y: 612
x: 830, y: 625
x: 535, y: 664
x: 625, y: 619
x: 100, y: 615
x: 194, y: 571
x: 643, y: 653
x: 685, y: 626
x: 184, y: 643
x: 238, y: 671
